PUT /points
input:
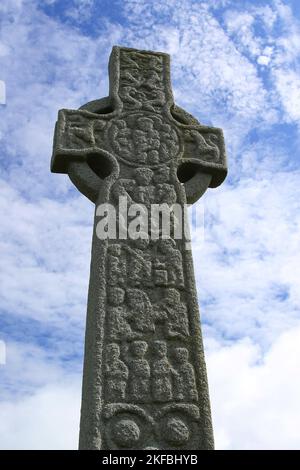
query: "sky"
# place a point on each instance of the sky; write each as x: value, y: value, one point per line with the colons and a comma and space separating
x: 235, y: 65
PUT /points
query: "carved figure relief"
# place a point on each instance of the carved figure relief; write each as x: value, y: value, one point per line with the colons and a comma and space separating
x: 161, y: 378
x: 185, y: 384
x: 176, y: 324
x: 116, y: 373
x: 164, y: 191
x: 160, y: 381
x: 79, y: 131
x: 147, y: 187
x: 139, y: 263
x: 118, y: 327
x: 143, y: 192
x: 135, y: 264
x: 142, y: 315
x: 139, y: 373
x: 171, y: 258
x: 146, y: 373
x: 116, y: 265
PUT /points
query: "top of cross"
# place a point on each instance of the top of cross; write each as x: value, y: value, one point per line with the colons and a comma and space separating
x: 139, y: 125
x: 140, y: 80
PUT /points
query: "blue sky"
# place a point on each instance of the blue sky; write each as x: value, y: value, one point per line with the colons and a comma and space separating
x: 235, y: 65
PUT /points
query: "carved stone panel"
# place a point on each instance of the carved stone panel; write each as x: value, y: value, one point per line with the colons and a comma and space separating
x: 143, y: 139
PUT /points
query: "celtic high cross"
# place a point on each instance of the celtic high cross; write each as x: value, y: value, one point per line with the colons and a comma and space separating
x: 144, y: 380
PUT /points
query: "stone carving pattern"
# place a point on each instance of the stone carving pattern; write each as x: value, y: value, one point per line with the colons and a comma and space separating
x: 80, y: 130
x: 206, y: 146
x: 144, y: 380
x: 129, y: 426
x: 151, y: 370
x: 142, y: 81
x: 140, y: 139
x: 149, y: 374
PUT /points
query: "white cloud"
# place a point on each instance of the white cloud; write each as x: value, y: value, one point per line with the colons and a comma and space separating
x: 276, y: 48
x: 40, y: 397
x: 211, y: 78
x: 8, y: 6
x: 263, y: 60
x: 2, y: 352
x: 241, y: 25
x: 2, y: 92
x: 288, y: 86
x: 255, y: 397
x: 3, y: 50
x: 30, y: 367
x: 82, y: 10
x: 49, y: 419
x: 45, y: 252
x: 267, y: 14
x: 246, y: 269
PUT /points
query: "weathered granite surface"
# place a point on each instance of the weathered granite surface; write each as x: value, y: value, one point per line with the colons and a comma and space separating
x: 144, y: 384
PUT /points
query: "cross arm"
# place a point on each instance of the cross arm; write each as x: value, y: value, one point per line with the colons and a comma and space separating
x: 203, y: 163
x: 77, y: 133
x: 204, y: 148
x: 79, y: 150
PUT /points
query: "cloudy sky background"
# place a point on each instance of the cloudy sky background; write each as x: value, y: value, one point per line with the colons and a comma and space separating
x: 235, y: 65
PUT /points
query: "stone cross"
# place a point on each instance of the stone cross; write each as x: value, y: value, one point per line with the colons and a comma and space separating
x: 144, y: 380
